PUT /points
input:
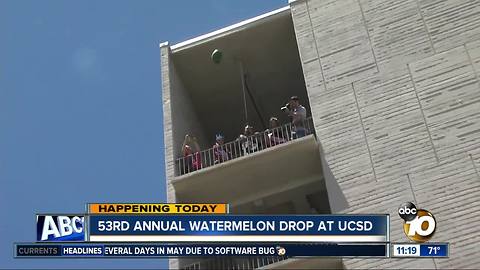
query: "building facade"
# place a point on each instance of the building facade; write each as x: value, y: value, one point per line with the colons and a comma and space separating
x: 393, y: 92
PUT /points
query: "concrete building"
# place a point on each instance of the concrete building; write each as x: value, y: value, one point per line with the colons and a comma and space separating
x: 393, y: 91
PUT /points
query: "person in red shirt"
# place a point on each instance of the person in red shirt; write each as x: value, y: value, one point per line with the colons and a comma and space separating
x: 191, y: 154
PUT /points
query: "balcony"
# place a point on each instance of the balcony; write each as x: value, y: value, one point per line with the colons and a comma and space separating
x: 262, y: 164
x: 241, y: 147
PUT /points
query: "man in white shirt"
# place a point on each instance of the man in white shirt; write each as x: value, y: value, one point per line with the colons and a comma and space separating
x: 298, y: 113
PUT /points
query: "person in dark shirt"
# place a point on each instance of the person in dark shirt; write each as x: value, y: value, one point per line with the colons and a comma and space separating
x: 274, y: 133
x: 249, y: 141
x: 220, y: 152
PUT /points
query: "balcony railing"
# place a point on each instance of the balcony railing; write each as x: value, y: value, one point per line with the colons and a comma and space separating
x: 243, y: 146
x: 234, y: 263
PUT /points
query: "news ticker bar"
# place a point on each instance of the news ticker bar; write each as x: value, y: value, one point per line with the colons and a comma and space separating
x: 142, y: 250
x: 419, y: 250
x: 152, y: 250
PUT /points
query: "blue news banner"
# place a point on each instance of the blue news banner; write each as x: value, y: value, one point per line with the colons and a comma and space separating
x: 210, y: 235
x: 372, y: 228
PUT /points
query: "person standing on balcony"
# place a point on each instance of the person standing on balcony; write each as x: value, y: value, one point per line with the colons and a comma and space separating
x: 298, y: 114
x: 274, y: 133
x: 191, y: 154
x: 220, y: 153
x: 247, y: 140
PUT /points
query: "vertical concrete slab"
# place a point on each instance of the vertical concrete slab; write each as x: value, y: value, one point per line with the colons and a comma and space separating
x: 339, y: 129
x: 394, y: 125
x: 303, y: 32
x: 397, y: 32
x: 473, y: 52
x: 167, y: 118
x: 449, y: 93
x: 396, y: 110
x: 311, y: 64
x: 451, y: 23
x: 474, y: 156
x: 450, y: 191
x: 386, y: 197
x: 165, y: 63
x: 336, y: 199
x: 342, y: 41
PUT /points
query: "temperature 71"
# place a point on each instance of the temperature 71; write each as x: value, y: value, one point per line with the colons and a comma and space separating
x: 433, y: 250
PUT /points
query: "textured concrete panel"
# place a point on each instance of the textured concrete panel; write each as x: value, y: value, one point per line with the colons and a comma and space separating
x: 451, y: 23
x: 342, y: 41
x: 399, y: 101
x: 397, y: 31
x: 313, y: 74
x: 475, y: 158
x: 167, y: 118
x: 303, y: 33
x: 450, y: 191
x: 378, y: 89
x: 340, y: 131
x: 395, y: 127
x: 450, y: 96
x: 473, y: 51
x: 386, y: 197
x: 166, y: 74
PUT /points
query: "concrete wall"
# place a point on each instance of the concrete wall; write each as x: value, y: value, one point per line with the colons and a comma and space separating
x: 179, y: 118
x: 394, y: 92
x: 167, y: 119
x: 167, y: 122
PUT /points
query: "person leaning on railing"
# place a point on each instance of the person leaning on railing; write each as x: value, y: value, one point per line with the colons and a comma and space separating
x: 274, y: 134
x: 191, y: 154
x: 249, y: 141
x: 298, y: 114
x: 220, y: 153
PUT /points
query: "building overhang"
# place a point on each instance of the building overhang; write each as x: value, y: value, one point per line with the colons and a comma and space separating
x: 260, y: 54
x: 243, y: 25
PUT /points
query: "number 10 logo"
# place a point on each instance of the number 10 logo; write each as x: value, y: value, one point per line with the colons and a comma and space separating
x: 419, y: 225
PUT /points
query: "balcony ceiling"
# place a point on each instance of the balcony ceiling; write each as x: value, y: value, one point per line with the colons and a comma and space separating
x: 268, y: 51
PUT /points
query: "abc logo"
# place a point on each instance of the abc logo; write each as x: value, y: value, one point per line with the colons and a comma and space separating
x: 50, y: 227
x: 419, y: 224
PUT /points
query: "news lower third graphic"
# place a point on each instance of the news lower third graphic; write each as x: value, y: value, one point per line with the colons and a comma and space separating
x: 150, y: 230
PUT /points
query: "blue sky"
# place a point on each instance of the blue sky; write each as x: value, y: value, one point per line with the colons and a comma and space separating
x: 80, y: 106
